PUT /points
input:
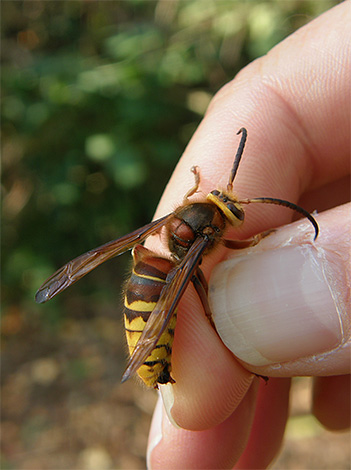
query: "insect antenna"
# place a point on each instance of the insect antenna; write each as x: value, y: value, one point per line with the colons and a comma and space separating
x: 237, y: 158
x: 290, y: 205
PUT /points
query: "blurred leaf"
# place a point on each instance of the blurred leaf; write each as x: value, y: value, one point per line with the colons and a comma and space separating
x: 100, y: 147
x: 134, y: 42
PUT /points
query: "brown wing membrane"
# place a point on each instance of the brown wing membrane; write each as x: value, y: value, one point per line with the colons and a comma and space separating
x: 83, y: 264
x: 177, y: 281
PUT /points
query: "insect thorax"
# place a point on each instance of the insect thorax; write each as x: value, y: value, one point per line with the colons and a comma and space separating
x: 200, y: 219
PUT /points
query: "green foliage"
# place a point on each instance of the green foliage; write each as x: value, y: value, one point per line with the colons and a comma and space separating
x: 99, y: 100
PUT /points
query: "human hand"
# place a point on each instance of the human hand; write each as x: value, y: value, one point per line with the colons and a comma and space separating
x: 295, y: 104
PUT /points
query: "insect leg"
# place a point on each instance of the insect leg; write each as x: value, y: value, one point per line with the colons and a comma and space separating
x: 201, y: 287
x: 195, y: 170
x: 241, y: 244
x: 202, y: 279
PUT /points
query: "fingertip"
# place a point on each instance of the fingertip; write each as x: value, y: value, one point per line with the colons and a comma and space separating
x: 331, y: 401
x: 284, y: 322
x: 155, y: 435
x: 210, y: 382
x: 267, y: 431
x: 218, y: 447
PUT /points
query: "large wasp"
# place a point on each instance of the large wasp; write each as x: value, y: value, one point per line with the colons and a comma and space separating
x: 157, y: 283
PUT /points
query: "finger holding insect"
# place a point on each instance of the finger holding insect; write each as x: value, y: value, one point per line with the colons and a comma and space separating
x: 295, y: 102
x: 290, y: 154
x: 157, y: 284
x: 283, y: 306
x: 203, y: 369
x: 218, y: 447
x: 192, y: 222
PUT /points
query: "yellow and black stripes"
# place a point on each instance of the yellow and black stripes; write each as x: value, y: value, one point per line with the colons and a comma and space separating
x: 142, y: 293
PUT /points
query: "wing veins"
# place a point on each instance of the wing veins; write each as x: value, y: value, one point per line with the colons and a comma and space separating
x: 83, y: 264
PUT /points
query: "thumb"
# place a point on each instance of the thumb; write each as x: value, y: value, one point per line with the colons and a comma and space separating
x: 283, y: 306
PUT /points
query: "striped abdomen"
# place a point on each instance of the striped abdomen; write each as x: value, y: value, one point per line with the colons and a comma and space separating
x: 142, y: 293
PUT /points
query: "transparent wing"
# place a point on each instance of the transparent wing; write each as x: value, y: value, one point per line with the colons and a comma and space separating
x: 83, y: 264
x: 177, y: 281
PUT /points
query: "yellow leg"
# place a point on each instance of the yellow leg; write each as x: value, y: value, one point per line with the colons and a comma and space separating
x: 241, y: 244
x: 195, y: 170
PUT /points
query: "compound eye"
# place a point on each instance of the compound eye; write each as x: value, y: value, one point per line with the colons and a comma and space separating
x: 236, y: 211
x: 215, y: 192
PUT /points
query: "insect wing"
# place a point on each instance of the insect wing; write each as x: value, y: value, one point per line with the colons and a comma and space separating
x: 176, y: 283
x: 83, y: 264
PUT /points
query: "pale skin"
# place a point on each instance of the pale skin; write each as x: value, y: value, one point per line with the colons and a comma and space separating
x: 295, y: 103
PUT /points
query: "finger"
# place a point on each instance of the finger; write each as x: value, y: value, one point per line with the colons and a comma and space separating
x: 218, y: 447
x: 291, y: 310
x: 289, y: 97
x: 266, y: 435
x: 287, y: 152
x: 286, y: 100
x: 204, y: 370
x: 331, y: 401
x: 327, y: 196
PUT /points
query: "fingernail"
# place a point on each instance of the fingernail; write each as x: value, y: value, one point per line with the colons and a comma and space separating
x: 276, y: 305
x: 167, y: 395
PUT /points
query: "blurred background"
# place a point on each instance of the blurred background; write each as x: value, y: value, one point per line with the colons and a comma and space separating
x: 99, y: 100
